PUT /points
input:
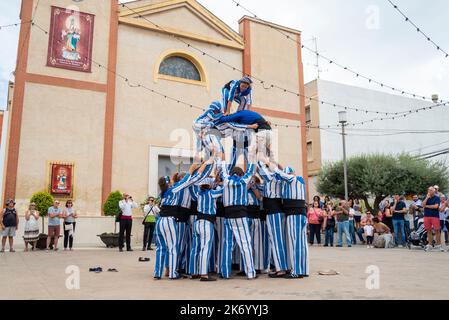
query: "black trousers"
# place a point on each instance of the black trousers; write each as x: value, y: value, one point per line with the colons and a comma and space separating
x: 68, y: 240
x: 148, y: 234
x: 125, y: 227
x: 315, y: 231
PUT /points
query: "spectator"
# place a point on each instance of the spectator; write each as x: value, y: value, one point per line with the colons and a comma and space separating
x: 151, y: 210
x: 383, y: 232
x: 399, y: 210
x: 357, y: 213
x: 443, y: 212
x: 407, y: 218
x: 387, y: 217
x: 70, y: 217
x: 368, y: 217
x: 327, y: 199
x: 342, y: 213
x: 437, y: 191
x: 126, y: 221
x: 315, y: 218
x: 54, y: 225
x: 31, y: 233
x: 321, y: 204
x: 351, y: 221
x: 417, y: 211
x: 446, y: 223
x: 369, y: 232
x: 9, y: 221
x: 329, y: 225
x: 431, y: 205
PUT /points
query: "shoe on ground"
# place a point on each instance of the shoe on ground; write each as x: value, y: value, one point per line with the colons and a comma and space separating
x: 208, y: 279
x: 129, y: 250
x: 427, y: 248
x: 338, y: 246
x: 157, y: 278
x: 292, y: 276
x: 350, y: 246
x: 241, y: 274
x: 178, y: 277
x: 120, y: 250
x: 368, y: 247
x: 439, y: 248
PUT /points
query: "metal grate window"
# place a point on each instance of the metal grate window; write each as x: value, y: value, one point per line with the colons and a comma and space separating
x: 179, y: 67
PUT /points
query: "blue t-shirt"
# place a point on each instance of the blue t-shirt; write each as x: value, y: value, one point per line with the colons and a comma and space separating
x: 54, y: 221
x: 399, y: 215
x: 433, y: 213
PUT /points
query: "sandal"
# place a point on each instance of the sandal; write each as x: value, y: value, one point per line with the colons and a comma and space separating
x: 112, y: 270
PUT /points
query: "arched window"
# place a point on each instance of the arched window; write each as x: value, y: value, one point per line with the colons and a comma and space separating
x: 179, y: 67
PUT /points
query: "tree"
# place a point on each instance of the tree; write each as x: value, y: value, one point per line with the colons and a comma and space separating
x: 111, y: 208
x: 378, y: 176
x: 43, y: 201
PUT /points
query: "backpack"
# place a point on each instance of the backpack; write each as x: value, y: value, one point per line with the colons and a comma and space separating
x: 10, y: 217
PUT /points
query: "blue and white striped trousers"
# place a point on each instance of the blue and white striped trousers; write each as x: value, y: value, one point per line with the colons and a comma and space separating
x: 202, y: 247
x: 219, y: 236
x: 257, y: 243
x: 166, y: 246
x: 298, y: 246
x: 275, y: 226
x: 240, y: 230
x: 190, y: 230
x: 267, y: 257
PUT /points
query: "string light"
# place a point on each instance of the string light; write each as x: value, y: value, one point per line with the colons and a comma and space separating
x: 418, y: 29
x: 14, y: 24
x: 332, y: 61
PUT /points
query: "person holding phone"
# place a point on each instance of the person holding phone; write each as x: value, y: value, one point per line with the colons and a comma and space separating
x: 431, y: 206
x: 54, y: 224
x: 151, y: 210
x: 70, y: 217
x: 126, y: 221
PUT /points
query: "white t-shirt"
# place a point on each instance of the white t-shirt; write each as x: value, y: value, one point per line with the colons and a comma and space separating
x: 369, y: 230
x: 351, y: 214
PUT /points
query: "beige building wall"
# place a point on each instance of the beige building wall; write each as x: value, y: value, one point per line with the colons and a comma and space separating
x: 275, y: 60
x: 144, y: 119
x: 61, y: 124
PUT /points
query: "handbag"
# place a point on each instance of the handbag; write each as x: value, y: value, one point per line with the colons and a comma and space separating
x: 144, y: 218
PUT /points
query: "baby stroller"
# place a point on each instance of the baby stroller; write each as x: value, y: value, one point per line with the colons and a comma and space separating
x: 418, y: 238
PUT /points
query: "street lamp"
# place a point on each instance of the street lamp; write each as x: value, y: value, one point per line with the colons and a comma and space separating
x: 343, y: 119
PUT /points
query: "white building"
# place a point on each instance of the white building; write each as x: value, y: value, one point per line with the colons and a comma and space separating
x: 385, y: 136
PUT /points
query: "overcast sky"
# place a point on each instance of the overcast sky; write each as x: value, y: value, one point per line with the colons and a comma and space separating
x: 366, y: 35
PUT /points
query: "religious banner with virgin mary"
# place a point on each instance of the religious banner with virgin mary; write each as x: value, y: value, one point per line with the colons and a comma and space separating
x: 61, y: 179
x: 70, y: 40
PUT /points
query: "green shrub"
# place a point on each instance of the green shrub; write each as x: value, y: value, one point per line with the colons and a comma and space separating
x: 43, y: 201
x: 110, y: 207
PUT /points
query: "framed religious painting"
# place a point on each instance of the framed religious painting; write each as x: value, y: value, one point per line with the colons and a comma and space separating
x: 70, y: 40
x: 61, y: 179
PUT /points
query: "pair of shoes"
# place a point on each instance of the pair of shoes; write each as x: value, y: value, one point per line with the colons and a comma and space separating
x: 292, y: 276
x: 96, y: 269
x: 276, y: 275
x: 208, y: 279
x: 112, y: 270
x: 142, y: 259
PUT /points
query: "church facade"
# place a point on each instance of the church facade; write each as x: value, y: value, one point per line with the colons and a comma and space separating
x: 104, y: 94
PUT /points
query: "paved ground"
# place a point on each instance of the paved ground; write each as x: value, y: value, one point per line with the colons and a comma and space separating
x: 404, y: 274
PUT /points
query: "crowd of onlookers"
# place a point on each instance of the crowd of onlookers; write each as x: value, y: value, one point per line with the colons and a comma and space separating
x: 390, y: 226
x: 9, y: 222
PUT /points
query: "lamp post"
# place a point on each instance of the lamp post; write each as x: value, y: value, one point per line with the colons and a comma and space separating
x: 343, y: 119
